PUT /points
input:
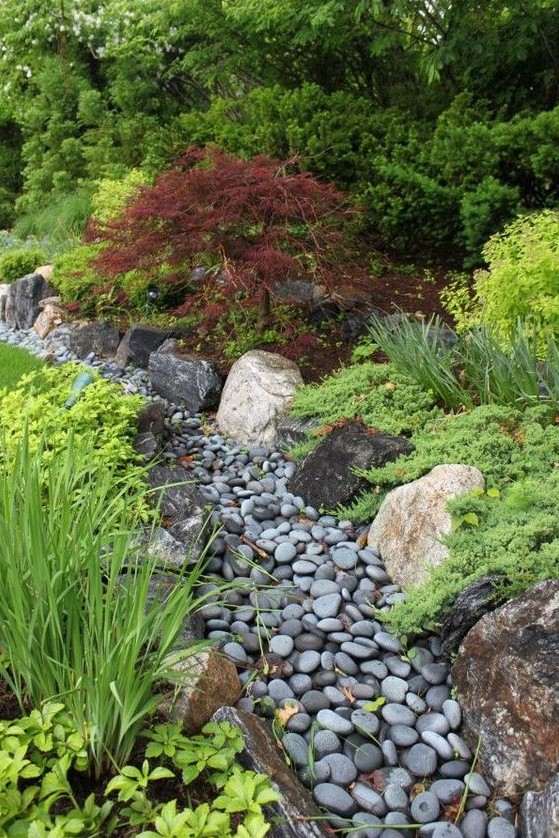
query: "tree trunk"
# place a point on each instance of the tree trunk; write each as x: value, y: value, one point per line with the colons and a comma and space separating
x: 264, y: 311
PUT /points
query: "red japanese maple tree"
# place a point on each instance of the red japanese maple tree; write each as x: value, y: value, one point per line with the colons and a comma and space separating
x: 257, y: 223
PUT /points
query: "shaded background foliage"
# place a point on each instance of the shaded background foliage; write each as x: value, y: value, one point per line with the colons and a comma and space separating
x: 442, y: 117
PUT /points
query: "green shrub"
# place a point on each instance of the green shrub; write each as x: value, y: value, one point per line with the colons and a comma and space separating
x: 412, y: 211
x: 21, y: 261
x: 75, y: 278
x: 484, y: 211
x: 376, y: 393
x: 522, y: 280
x: 101, y: 410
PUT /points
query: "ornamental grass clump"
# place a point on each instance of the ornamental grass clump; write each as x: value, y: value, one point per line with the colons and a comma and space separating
x: 472, y: 368
x: 79, y: 621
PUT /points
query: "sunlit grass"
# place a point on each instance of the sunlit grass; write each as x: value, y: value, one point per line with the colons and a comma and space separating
x: 14, y: 363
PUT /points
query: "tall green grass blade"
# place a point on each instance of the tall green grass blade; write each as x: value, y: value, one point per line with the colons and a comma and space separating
x: 78, y: 619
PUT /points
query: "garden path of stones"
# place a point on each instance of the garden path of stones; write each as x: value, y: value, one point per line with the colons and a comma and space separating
x: 371, y: 727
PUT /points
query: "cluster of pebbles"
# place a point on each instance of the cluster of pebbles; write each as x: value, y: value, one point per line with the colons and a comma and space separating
x: 371, y: 727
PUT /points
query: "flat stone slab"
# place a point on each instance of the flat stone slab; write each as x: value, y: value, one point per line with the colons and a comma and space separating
x: 293, y: 816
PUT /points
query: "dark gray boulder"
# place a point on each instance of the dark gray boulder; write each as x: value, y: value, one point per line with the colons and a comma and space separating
x: 470, y: 605
x: 292, y: 431
x: 539, y: 812
x: 325, y: 478
x: 151, y: 424
x: 181, y: 506
x: 138, y: 343
x: 193, y: 382
x: 84, y: 338
x: 23, y: 298
x: 295, y: 814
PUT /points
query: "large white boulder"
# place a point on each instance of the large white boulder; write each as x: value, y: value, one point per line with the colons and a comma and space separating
x: 258, y: 387
x: 412, y: 519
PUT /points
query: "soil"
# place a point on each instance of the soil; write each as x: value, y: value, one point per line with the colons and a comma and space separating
x: 415, y: 293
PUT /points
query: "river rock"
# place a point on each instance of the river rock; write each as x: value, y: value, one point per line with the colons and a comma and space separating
x: 412, y: 519
x: 506, y: 677
x: 257, y: 390
x: 295, y: 815
x: 326, y: 476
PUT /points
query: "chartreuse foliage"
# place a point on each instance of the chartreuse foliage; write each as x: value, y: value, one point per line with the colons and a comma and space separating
x: 42, y: 754
x: 100, y: 411
x: 521, y: 282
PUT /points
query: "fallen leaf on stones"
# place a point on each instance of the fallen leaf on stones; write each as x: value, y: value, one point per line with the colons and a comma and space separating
x: 348, y: 694
x: 283, y: 714
x: 373, y: 706
x: 375, y: 779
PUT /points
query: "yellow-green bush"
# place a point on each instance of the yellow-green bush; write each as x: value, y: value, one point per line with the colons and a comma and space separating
x: 17, y: 263
x: 521, y: 282
x: 38, y: 402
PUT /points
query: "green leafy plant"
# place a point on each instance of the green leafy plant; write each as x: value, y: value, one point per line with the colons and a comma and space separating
x: 101, y: 411
x: 84, y: 592
x: 18, y: 262
x: 42, y: 756
x: 37, y: 753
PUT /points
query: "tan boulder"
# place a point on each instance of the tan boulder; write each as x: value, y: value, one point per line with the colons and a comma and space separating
x: 48, y: 318
x: 413, y: 519
x: 45, y: 271
x: 207, y: 681
x: 258, y: 388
